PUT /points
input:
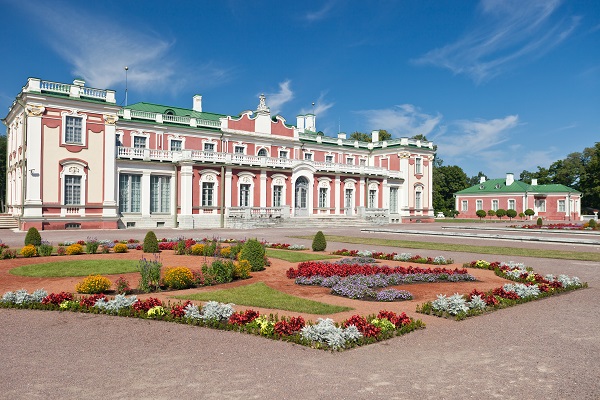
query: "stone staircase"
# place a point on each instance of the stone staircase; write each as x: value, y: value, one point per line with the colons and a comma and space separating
x: 300, y: 222
x: 8, y: 222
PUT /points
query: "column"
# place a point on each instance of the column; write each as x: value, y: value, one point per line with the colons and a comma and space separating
x: 109, y: 204
x: 146, y: 194
x: 337, y: 195
x: 361, y: 193
x: 33, y: 157
x: 263, y: 188
x: 186, y: 188
x: 228, y: 179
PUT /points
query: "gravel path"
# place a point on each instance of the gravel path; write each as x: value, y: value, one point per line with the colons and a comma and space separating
x: 547, y: 349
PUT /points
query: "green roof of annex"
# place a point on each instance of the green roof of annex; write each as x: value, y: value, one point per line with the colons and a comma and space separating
x: 499, y: 186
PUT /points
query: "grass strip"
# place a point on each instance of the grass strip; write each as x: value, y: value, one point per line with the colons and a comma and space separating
x: 466, y: 248
x: 260, y: 295
x: 76, y: 268
x: 295, y: 256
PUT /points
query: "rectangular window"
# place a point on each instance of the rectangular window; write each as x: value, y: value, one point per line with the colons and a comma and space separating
x: 139, y: 142
x: 239, y: 150
x: 418, y: 165
x: 244, y: 195
x: 208, y: 192
x: 465, y: 205
x: 277, y: 195
x: 160, y: 194
x: 394, y: 200
x: 495, y: 205
x: 363, y: 162
x: 561, y: 206
x: 176, y: 145
x: 418, y: 200
x: 349, y: 160
x: 209, y: 147
x: 540, y: 205
x: 308, y: 156
x: 479, y: 205
x: 512, y: 205
x: 130, y: 193
x: 73, y: 130
x: 329, y: 158
x: 323, y: 198
x: 72, y: 189
x: 372, y: 199
x: 283, y: 154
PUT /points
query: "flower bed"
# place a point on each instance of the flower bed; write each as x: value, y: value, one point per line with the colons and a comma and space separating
x: 557, y: 226
x: 439, y: 260
x: 529, y: 286
x: 327, y: 269
x: 325, y: 334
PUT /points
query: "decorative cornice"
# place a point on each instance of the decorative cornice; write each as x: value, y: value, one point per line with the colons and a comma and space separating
x: 35, y: 110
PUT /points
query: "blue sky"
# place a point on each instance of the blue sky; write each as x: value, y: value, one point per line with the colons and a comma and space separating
x: 499, y: 85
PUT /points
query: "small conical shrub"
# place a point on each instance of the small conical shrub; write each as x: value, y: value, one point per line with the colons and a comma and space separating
x: 254, y: 252
x: 319, y: 243
x: 592, y: 224
x: 33, y: 237
x: 540, y: 222
x: 150, y: 243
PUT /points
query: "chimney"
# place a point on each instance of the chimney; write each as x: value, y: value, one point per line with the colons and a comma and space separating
x: 534, y: 181
x: 311, y: 122
x: 300, y: 122
x: 374, y: 136
x: 481, y: 179
x: 197, y: 105
x: 342, y: 135
x: 510, y: 178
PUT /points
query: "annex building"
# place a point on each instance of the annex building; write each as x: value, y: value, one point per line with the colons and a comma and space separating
x: 550, y: 202
x: 78, y: 160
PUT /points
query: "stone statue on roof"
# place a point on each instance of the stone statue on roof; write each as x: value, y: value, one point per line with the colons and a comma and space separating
x: 262, y: 105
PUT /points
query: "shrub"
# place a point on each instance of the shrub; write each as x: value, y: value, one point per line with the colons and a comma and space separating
x: 242, y: 269
x: 150, y: 243
x: 254, y: 252
x: 529, y: 212
x: 491, y: 213
x: 8, y: 254
x: 480, y: 213
x: 45, y: 249
x: 178, y: 278
x: 74, y: 249
x: 225, y: 252
x: 319, y: 243
x: 197, y: 249
x: 150, y: 274
x: 122, y: 286
x: 33, y: 237
x: 120, y: 248
x: 61, y: 251
x: 511, y: 213
x: 521, y: 215
x: 500, y: 213
x: 29, y: 251
x: 539, y: 222
x: 592, y: 224
x: 220, y: 271
x: 93, y: 284
x: 91, y: 245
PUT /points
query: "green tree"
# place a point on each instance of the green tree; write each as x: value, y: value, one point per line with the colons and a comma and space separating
x: 319, y: 243
x: 500, y: 213
x: 474, y: 180
x: 480, y: 213
x: 150, y: 243
x: 361, y: 137
x: 254, y: 252
x: 384, y: 135
x: 491, y: 213
x: 447, y: 180
x: 510, y: 213
x: 529, y: 212
x: 33, y: 237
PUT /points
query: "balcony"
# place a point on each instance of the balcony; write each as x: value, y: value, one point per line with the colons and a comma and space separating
x: 130, y: 153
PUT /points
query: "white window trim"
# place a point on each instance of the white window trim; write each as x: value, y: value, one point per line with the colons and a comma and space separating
x: 170, y: 193
x: 361, y: 159
x: 244, y: 146
x: 283, y: 150
x: 134, y: 134
x: 558, y: 205
x: 279, y: 180
x: 262, y: 148
x: 464, y: 205
x: 350, y: 158
x: 495, y: 204
x: 477, y: 202
x: 246, y: 178
x: 176, y: 137
x: 418, y: 166
x: 310, y: 153
x: 332, y: 155
x: 206, y: 141
x: 210, y: 176
x: 77, y: 114
x: 373, y: 186
x: 324, y: 183
x: 73, y: 168
x: 508, y: 204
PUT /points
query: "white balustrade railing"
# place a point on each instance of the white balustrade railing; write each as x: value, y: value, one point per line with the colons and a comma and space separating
x: 93, y: 93
x: 55, y: 87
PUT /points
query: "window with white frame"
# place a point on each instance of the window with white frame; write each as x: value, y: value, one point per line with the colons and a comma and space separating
x: 540, y: 204
x: 329, y: 158
x: 175, y: 145
x: 283, y: 154
x: 393, y: 200
x: 363, y: 162
x: 72, y: 189
x: 372, y: 198
x: 464, y: 205
x: 418, y: 199
x: 244, y: 195
x: 350, y: 160
x: 73, y: 130
x: 130, y: 190
x: 160, y: 194
x: 262, y: 153
x: 209, y: 146
x: 562, y: 206
x: 495, y: 205
x: 139, y: 142
x: 308, y: 156
x: 479, y: 205
x: 239, y: 149
x: 323, y: 197
x: 512, y: 205
x: 208, y: 194
x: 277, y: 195
x: 418, y: 165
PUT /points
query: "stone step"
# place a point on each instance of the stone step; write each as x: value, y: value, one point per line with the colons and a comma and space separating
x: 7, y: 221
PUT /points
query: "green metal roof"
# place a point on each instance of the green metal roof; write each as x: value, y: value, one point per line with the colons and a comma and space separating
x: 499, y: 186
x: 179, y: 112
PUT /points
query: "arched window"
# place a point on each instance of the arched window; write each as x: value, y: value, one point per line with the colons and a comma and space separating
x: 262, y: 152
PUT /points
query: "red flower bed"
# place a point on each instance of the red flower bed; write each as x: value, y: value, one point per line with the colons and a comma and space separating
x: 167, y: 245
x: 240, y: 318
x: 489, y: 299
x: 89, y: 301
x: 397, y: 320
x: 57, y: 298
x: 178, y: 310
x: 364, y: 327
x: 312, y: 268
x: 285, y: 327
x: 281, y: 246
x: 504, y: 294
x: 145, y: 305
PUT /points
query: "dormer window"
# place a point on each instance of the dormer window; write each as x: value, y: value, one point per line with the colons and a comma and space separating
x: 497, y: 186
x: 169, y: 112
x: 481, y: 187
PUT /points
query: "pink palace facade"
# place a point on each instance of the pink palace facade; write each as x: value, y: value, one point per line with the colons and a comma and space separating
x: 77, y: 160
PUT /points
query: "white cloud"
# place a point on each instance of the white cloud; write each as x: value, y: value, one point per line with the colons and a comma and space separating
x: 100, y: 55
x: 508, y: 31
x: 403, y: 120
x: 321, y: 106
x: 321, y: 13
x: 276, y: 100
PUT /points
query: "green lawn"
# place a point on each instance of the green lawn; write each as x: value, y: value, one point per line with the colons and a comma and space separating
x: 295, y: 256
x: 261, y: 295
x: 76, y: 268
x: 466, y: 248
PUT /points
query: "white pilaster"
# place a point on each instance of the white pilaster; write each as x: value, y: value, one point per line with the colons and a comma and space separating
x: 109, y: 204
x: 385, y: 197
x: 338, y: 195
x: 145, y: 201
x: 186, y: 188
x: 33, y: 157
x: 263, y: 188
x: 228, y: 191
x: 361, y: 193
